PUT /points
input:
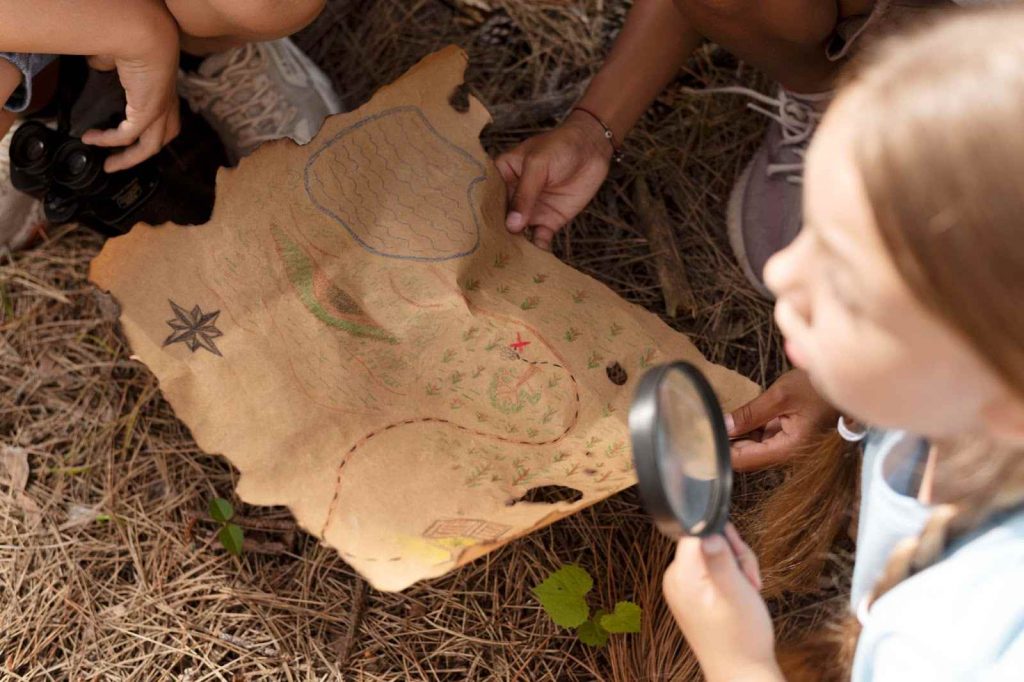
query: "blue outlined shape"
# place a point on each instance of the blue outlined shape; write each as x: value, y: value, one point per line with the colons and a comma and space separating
x: 337, y: 137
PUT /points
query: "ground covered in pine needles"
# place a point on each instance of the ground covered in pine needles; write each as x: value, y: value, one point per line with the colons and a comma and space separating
x: 109, y: 567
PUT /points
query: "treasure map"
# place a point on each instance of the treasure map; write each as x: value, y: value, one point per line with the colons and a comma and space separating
x: 356, y: 331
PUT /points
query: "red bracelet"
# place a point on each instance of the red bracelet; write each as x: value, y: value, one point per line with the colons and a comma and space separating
x: 608, y: 134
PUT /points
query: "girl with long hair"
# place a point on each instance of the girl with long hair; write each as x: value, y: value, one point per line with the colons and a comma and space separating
x: 903, y: 299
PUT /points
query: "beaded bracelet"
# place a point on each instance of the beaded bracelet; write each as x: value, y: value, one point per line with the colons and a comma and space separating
x: 608, y: 134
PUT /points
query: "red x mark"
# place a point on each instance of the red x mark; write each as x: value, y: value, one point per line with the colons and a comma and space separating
x: 519, y: 344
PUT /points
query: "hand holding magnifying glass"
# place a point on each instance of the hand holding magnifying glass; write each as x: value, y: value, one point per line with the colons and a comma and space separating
x: 682, y: 458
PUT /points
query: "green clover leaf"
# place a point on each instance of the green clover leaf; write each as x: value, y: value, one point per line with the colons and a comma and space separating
x: 221, y: 510
x: 625, y: 618
x: 231, y: 537
x: 564, y: 595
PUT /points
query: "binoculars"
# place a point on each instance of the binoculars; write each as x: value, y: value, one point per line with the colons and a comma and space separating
x: 56, y: 167
x: 67, y: 176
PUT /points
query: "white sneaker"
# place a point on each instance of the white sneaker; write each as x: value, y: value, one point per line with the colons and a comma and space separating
x: 21, y: 216
x: 260, y: 92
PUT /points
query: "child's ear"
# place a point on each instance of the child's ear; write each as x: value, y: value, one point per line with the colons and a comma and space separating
x: 1004, y: 417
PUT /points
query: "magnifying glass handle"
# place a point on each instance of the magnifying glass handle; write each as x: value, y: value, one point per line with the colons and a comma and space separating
x: 744, y: 556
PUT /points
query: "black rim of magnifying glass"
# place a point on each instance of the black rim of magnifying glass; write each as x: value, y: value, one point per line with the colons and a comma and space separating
x: 644, y: 417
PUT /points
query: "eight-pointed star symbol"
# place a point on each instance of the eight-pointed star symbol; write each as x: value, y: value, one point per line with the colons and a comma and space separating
x: 195, y: 329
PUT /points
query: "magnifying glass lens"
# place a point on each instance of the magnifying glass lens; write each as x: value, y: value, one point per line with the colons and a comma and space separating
x: 681, y: 451
x: 687, y: 451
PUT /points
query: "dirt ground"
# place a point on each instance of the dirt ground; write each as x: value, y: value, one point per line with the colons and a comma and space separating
x: 109, y: 568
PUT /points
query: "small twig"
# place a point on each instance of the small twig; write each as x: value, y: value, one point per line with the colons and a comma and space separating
x: 256, y: 523
x: 259, y: 523
x: 360, y: 590
x: 253, y: 546
x: 268, y: 650
x: 675, y: 285
x: 190, y: 527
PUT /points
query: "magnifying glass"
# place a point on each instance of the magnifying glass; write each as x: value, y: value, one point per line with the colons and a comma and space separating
x: 681, y: 451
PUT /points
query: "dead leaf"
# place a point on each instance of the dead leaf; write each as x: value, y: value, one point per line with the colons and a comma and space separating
x: 79, y: 515
x: 15, y: 463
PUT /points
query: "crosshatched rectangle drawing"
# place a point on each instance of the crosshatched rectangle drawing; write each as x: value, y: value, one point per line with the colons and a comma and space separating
x: 474, y: 529
x: 356, y: 331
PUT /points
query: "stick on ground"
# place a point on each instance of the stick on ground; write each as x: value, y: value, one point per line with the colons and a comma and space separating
x: 675, y: 285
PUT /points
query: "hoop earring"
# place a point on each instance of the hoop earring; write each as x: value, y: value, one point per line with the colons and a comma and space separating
x: 848, y: 434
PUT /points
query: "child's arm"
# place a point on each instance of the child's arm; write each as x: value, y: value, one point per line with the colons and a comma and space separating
x: 655, y: 42
x: 552, y: 176
x: 140, y: 36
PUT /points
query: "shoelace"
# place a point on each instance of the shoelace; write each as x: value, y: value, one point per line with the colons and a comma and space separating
x: 245, y: 60
x: 796, y: 117
x: 274, y: 110
x: 243, y: 64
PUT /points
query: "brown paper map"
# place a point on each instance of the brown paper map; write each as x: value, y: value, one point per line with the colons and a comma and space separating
x: 358, y: 334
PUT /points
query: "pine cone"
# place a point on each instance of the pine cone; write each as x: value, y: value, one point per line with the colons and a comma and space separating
x: 499, y: 30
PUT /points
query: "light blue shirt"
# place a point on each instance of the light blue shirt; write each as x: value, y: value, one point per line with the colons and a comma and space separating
x: 961, y: 618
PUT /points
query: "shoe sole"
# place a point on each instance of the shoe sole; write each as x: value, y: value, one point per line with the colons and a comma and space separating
x: 734, y: 228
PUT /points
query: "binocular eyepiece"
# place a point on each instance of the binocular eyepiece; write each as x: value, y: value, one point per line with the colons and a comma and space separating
x: 33, y: 146
x: 36, y: 148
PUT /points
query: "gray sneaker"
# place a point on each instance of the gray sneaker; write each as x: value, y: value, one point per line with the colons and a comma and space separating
x: 764, y: 213
x: 260, y: 92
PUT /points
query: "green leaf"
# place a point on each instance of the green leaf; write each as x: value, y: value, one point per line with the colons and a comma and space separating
x: 221, y: 510
x: 592, y: 634
x: 625, y: 618
x: 231, y: 537
x: 564, y: 595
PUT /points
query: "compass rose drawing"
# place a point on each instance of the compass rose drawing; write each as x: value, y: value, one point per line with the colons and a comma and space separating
x: 193, y: 328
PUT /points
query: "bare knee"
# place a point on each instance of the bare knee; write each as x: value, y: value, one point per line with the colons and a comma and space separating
x: 269, y: 19
x: 803, y: 22
x: 250, y: 20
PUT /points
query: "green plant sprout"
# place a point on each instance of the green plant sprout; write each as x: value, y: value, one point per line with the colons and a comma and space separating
x: 230, y: 534
x: 564, y: 597
x: 530, y: 302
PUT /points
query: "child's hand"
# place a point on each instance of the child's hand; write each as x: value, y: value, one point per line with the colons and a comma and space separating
x: 712, y: 589
x: 793, y: 416
x: 148, y: 71
x: 552, y: 176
